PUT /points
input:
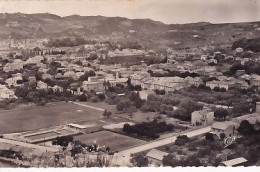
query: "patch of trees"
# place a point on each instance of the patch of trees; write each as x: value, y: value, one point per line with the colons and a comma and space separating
x: 11, y: 154
x: 63, y: 141
x: 66, y: 42
x: 245, y: 128
x: 220, y: 114
x: 140, y: 161
x: 247, y: 147
x: 40, y: 97
x: 248, y: 44
x: 86, y: 75
x: 148, y: 130
x: 131, y: 101
x: 249, y: 67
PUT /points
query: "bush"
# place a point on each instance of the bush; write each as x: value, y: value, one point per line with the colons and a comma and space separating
x: 182, y: 140
x: 94, y: 99
x: 148, y: 130
x: 83, y: 97
x: 101, y: 96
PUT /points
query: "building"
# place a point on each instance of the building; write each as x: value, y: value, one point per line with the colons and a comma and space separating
x: 34, y: 60
x: 136, y: 79
x: 234, y: 162
x: 76, y: 127
x: 6, y: 93
x: 16, y: 65
x: 227, y: 128
x: 220, y: 84
x: 41, y: 85
x: 145, y: 93
x: 255, y: 80
x: 196, y: 81
x: 155, y: 157
x: 251, y: 118
x: 14, y: 81
x: 57, y: 88
x: 202, y: 117
x: 97, y: 86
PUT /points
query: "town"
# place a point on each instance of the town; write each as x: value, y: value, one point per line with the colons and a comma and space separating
x: 77, y: 101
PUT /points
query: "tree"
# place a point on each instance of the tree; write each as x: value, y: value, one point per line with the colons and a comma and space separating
x: 101, y: 96
x: 216, y: 89
x: 107, y: 114
x: 246, y: 128
x: 123, y: 104
x: 209, y: 137
x: 221, y: 113
x: 222, y: 136
x: 63, y: 141
x: 83, y: 97
x: 76, y: 148
x: 181, y: 140
x: 140, y: 161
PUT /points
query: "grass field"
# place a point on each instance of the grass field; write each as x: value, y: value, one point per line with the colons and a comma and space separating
x: 46, y: 116
x: 114, y: 141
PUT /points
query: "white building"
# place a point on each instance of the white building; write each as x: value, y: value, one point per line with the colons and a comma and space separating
x: 6, y: 93
x: 202, y: 117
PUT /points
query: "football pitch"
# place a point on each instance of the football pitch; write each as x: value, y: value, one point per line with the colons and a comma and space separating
x: 46, y: 116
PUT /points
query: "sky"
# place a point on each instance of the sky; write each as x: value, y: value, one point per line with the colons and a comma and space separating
x: 166, y: 11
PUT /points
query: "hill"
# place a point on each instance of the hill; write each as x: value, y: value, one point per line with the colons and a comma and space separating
x: 151, y: 34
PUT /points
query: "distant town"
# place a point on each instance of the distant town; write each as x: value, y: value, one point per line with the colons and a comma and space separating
x: 77, y: 101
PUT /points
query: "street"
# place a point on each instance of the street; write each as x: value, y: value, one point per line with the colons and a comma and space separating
x: 123, y: 157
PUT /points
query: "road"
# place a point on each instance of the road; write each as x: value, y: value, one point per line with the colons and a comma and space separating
x: 123, y: 157
x: 28, y: 145
x: 88, y: 106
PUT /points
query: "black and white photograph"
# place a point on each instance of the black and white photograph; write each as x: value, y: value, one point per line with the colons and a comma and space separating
x: 129, y: 83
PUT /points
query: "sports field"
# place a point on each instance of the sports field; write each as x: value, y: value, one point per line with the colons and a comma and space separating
x: 46, y: 116
x: 114, y: 141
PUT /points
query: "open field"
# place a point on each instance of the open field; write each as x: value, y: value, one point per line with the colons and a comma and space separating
x: 114, y: 141
x: 46, y: 116
x: 102, y: 105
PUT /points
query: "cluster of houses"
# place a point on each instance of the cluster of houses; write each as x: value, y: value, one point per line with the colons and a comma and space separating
x: 206, y: 117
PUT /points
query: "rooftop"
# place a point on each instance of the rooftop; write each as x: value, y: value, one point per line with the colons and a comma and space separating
x: 235, y: 161
x: 156, y: 154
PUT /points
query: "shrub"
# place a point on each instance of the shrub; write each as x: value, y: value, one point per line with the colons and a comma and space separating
x: 182, y: 140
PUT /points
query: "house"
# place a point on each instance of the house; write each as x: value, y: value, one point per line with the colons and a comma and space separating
x: 145, y: 93
x: 47, y: 76
x: 234, y: 162
x: 220, y: 84
x: 155, y: 157
x: 42, y: 85
x: 204, y: 57
x: 57, y: 88
x: 118, y: 81
x: 6, y: 93
x: 255, y: 80
x: 16, y: 65
x: 240, y: 72
x: 193, y: 81
x: 34, y: 60
x: 97, y: 86
x: 136, y: 79
x: 251, y: 118
x: 14, y: 81
x: 202, y: 117
x: 70, y: 74
x: 227, y: 128
x: 32, y: 79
